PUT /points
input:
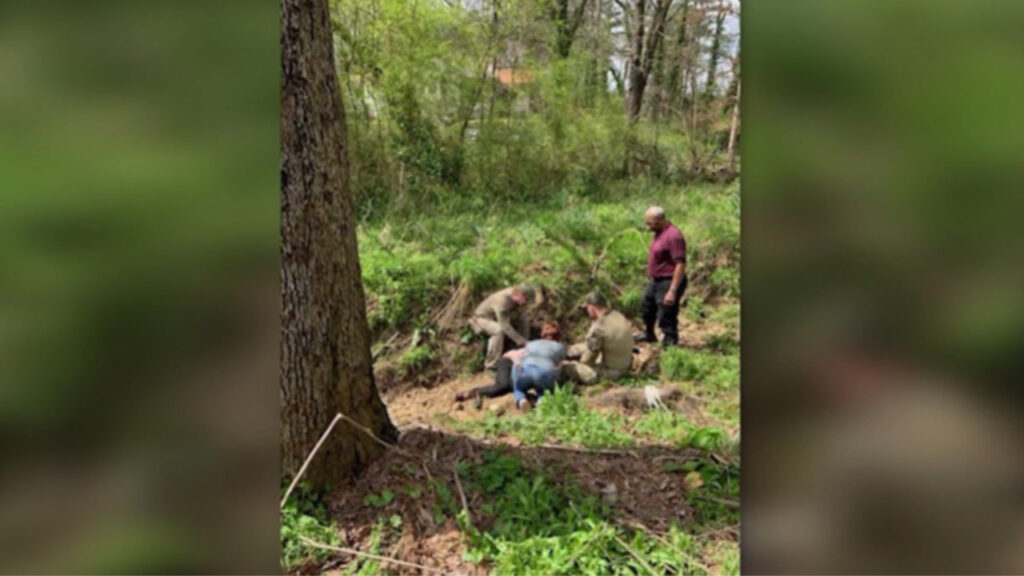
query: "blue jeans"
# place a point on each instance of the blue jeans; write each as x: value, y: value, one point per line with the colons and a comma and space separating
x: 532, y: 377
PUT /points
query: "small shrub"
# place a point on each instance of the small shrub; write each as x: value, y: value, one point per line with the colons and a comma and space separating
x: 305, y: 515
x: 416, y: 358
x: 295, y: 525
x: 379, y: 500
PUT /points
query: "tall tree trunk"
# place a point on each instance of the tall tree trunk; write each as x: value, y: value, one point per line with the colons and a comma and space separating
x: 325, y: 346
x: 596, y: 74
x: 566, y: 25
x: 734, y: 125
x: 637, y: 79
x: 675, y: 84
x: 658, y: 76
x: 731, y: 93
x: 645, y: 44
x: 690, y: 58
x: 716, y: 45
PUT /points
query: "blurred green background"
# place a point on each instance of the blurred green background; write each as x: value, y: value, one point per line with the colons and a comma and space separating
x: 138, y: 281
x: 882, y: 240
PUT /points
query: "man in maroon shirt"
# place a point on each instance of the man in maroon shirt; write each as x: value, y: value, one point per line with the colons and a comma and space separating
x: 666, y: 268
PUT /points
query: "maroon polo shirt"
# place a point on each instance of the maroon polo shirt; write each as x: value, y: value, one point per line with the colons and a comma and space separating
x: 668, y: 248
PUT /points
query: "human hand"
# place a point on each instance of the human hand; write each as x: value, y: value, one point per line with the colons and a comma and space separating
x: 670, y: 298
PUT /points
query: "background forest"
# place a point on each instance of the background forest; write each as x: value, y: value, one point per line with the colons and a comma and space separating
x: 468, y: 106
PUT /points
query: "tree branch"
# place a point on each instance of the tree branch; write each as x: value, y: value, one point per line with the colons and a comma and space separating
x: 577, y: 18
x: 657, y: 26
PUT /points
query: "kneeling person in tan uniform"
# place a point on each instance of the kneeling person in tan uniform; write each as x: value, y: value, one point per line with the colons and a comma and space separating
x: 497, y: 315
x: 608, y: 350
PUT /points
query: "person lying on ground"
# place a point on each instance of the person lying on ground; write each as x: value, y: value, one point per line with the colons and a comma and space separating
x: 503, y: 315
x: 607, y: 352
x: 536, y: 369
x: 503, y: 369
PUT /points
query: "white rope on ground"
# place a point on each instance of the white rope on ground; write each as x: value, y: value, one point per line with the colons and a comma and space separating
x: 322, y: 546
x: 309, y: 459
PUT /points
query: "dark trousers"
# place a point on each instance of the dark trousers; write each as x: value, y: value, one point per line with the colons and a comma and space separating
x: 653, y: 309
x: 502, y: 380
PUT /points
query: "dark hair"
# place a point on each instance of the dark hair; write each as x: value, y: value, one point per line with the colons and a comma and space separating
x: 595, y: 299
x: 551, y: 331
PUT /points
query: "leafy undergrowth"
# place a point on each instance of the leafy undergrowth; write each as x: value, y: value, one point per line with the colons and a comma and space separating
x: 521, y: 512
x: 562, y: 489
x: 413, y: 269
x: 572, y: 487
x: 540, y: 526
x: 663, y: 500
x: 305, y: 516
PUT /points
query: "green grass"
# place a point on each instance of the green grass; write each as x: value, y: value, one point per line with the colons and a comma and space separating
x: 720, y: 371
x: 409, y: 266
x: 540, y: 526
x: 559, y: 417
x: 666, y: 426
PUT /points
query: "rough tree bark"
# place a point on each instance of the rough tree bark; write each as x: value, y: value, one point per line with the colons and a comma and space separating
x: 325, y: 347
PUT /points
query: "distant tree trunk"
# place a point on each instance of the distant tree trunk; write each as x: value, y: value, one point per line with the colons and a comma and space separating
x: 690, y: 59
x: 716, y: 46
x: 659, y: 81
x: 637, y: 79
x: 597, y: 75
x: 734, y: 82
x: 566, y: 25
x: 325, y: 347
x: 734, y: 125
x: 645, y: 44
x: 675, y: 84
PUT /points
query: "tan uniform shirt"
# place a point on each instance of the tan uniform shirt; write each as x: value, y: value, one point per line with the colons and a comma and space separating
x: 611, y: 336
x: 501, y: 308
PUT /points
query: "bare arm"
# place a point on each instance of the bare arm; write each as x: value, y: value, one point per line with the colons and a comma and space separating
x: 516, y: 355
